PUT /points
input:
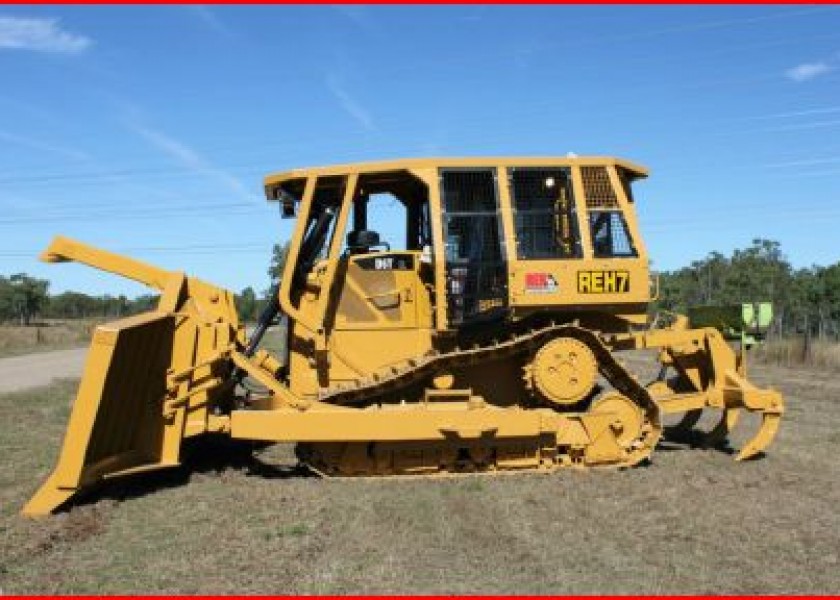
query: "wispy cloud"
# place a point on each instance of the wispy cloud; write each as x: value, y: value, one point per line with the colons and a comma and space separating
x: 211, y: 19
x: 808, y: 71
x: 791, y: 114
x: 40, y: 35
x: 42, y: 146
x: 349, y: 104
x: 804, y: 126
x: 190, y: 159
x: 835, y: 160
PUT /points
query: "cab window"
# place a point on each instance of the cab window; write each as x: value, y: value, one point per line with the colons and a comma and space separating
x: 544, y: 212
x: 607, y: 226
x: 390, y: 212
x: 610, y: 236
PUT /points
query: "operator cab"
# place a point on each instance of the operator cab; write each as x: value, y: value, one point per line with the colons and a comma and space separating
x: 483, y: 239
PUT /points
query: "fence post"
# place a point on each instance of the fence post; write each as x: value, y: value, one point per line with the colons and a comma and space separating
x: 806, y: 343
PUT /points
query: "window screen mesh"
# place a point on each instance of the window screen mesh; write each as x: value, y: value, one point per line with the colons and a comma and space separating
x: 476, y: 273
x: 610, y: 237
x: 546, y: 225
x: 597, y: 187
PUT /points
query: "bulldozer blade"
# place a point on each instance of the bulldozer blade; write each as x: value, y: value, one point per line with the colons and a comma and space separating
x: 726, y: 424
x: 762, y: 439
x: 113, y: 426
x: 149, y: 380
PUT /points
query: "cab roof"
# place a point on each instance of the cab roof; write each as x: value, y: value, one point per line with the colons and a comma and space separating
x: 274, y: 179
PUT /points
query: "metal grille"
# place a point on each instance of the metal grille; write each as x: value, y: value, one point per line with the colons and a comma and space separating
x: 598, y: 189
x: 475, y: 269
x: 546, y: 226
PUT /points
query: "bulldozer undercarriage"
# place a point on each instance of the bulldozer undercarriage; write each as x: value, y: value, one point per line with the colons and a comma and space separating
x: 619, y: 428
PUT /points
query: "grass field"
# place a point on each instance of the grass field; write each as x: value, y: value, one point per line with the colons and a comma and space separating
x: 55, y: 335
x: 693, y: 521
x: 60, y: 334
x: 794, y: 351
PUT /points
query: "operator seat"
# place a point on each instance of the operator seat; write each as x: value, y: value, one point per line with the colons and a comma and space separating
x: 360, y: 241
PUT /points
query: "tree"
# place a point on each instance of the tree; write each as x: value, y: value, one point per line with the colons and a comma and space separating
x: 246, y: 304
x: 143, y: 303
x: 761, y: 272
x: 279, y: 254
x: 28, y: 296
x: 71, y: 305
x: 6, y: 310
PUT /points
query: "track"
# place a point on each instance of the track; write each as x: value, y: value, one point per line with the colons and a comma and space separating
x: 398, y: 378
x: 416, y: 369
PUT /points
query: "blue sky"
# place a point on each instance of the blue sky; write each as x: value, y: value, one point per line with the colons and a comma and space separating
x: 148, y: 130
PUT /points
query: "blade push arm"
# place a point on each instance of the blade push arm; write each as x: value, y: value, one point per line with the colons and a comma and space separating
x: 64, y: 249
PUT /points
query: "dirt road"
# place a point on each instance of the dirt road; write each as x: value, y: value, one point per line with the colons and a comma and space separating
x: 34, y: 370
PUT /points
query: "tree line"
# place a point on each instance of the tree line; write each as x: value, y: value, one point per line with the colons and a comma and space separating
x: 23, y: 299
x: 805, y: 300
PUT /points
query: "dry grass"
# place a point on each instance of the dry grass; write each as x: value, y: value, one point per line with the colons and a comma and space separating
x: 56, y: 334
x: 49, y: 335
x: 791, y: 352
x: 275, y: 340
x: 694, y: 521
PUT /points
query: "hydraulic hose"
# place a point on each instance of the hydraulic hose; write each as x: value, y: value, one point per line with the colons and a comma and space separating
x: 267, y: 316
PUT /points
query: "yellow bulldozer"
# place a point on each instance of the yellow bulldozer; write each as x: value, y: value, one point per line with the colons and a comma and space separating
x: 484, y: 336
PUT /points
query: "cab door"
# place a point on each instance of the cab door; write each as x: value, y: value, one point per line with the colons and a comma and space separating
x: 476, y: 269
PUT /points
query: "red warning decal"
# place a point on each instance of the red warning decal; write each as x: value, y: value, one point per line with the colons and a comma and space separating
x: 540, y: 283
